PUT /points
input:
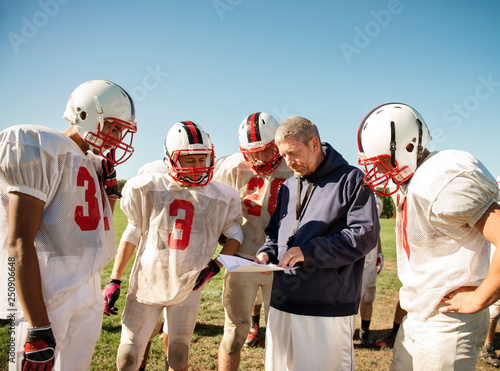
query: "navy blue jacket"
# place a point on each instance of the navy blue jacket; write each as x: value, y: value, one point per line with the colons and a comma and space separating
x: 337, y: 228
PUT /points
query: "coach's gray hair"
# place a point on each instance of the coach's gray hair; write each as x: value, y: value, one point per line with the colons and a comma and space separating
x: 298, y: 127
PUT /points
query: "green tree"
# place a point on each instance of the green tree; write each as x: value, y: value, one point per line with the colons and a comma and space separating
x: 389, y: 208
x: 121, y: 183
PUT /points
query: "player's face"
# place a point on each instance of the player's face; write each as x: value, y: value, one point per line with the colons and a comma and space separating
x: 299, y: 157
x: 114, y: 131
x: 193, y: 161
x: 384, y: 165
x: 261, y: 157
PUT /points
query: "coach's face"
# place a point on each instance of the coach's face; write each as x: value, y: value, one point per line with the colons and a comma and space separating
x: 301, y: 158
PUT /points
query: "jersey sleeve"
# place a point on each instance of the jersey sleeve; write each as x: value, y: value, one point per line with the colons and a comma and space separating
x: 131, y: 203
x: 25, y: 166
x: 232, y: 226
x: 463, y: 200
x: 222, y: 172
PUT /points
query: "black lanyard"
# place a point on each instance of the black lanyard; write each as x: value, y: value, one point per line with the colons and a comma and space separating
x: 299, y: 206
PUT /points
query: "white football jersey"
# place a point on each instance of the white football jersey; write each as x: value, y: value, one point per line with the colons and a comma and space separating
x: 258, y: 195
x: 76, y: 237
x: 438, y: 248
x: 158, y: 166
x: 180, y: 228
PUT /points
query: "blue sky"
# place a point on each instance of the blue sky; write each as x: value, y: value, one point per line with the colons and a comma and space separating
x: 216, y: 61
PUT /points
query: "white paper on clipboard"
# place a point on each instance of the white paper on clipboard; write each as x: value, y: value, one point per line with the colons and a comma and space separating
x: 237, y: 264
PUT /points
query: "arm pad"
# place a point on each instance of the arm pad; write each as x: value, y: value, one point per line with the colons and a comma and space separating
x: 132, y: 234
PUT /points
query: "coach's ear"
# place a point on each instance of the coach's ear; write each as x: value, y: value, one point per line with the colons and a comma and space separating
x: 315, y: 144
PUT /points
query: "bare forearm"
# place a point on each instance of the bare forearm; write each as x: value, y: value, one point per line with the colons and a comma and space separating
x: 125, y: 252
x: 488, y: 291
x: 112, y: 202
x: 29, y: 287
x: 230, y: 248
x: 25, y: 215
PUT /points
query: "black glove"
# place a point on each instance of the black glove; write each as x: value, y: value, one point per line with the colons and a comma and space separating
x: 111, y: 293
x: 39, y: 349
x: 109, y: 175
x: 206, y: 274
x: 222, y: 240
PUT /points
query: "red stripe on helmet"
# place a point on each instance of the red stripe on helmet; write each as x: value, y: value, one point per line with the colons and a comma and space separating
x: 253, y: 126
x: 195, y: 133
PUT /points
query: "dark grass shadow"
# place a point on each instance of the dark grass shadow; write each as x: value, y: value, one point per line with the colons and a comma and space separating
x: 112, y: 328
x: 205, y: 329
x: 374, y: 335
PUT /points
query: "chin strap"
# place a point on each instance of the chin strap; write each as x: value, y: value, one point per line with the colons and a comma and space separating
x: 393, y: 144
x: 420, y: 149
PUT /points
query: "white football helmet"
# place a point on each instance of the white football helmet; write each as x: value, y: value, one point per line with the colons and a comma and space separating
x: 188, y: 138
x: 256, y: 134
x: 392, y: 133
x: 98, y: 101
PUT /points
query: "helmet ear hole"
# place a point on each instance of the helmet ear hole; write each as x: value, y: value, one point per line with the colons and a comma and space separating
x: 83, y: 115
x: 410, y: 147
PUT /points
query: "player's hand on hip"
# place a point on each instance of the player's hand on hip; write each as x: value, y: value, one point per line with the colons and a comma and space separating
x: 206, y: 274
x: 39, y: 349
x: 111, y: 293
x: 460, y: 300
x: 291, y: 257
x: 380, y: 262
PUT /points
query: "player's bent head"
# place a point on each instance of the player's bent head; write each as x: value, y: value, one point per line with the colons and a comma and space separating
x: 256, y: 139
x: 189, y: 154
x: 391, y: 140
x: 104, y: 115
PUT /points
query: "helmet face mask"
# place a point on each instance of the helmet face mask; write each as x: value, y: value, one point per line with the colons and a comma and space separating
x: 266, y: 166
x: 379, y: 175
x: 391, y: 140
x: 256, y: 136
x: 188, y: 138
x: 99, y: 107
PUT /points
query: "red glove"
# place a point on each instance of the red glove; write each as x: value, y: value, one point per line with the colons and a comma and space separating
x: 109, y: 175
x: 380, y: 262
x: 206, y: 274
x: 39, y: 349
x: 111, y: 294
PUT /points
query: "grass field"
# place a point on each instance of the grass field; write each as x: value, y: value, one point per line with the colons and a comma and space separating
x: 209, y: 328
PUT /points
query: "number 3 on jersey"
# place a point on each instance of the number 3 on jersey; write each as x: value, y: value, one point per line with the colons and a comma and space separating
x: 182, y: 225
x: 91, y: 221
x: 253, y: 202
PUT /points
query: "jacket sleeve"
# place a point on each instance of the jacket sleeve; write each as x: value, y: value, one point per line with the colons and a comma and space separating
x: 270, y: 247
x: 356, y: 239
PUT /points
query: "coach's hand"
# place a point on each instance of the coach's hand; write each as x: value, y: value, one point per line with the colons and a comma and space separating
x: 39, y: 349
x: 380, y: 262
x: 206, y: 274
x: 111, y: 294
x: 109, y: 176
x: 291, y: 257
x: 262, y: 258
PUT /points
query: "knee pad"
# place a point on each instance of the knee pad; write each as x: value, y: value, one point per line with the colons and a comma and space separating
x: 368, y: 295
x: 178, y: 354
x: 235, y: 336
x: 127, y: 358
